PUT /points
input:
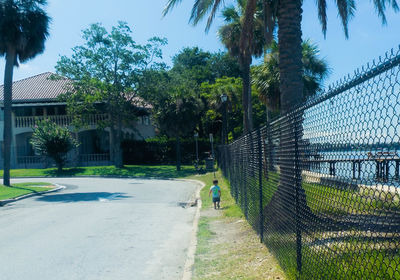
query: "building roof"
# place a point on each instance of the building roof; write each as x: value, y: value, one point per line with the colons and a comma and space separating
x: 37, y: 88
x: 45, y: 88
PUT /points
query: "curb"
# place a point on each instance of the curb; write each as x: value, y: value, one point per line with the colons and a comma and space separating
x: 6, y: 201
x: 188, y: 268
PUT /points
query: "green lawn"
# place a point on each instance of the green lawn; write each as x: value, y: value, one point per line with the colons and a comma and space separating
x: 20, y: 189
x: 158, y: 171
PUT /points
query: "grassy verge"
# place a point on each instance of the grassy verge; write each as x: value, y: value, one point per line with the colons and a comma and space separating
x: 159, y: 171
x: 228, y: 248
x: 20, y: 189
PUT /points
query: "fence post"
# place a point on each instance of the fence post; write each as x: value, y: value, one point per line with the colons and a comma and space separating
x: 244, y: 186
x: 260, y: 186
x: 297, y: 188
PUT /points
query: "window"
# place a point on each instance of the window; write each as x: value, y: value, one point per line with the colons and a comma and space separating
x: 146, y: 120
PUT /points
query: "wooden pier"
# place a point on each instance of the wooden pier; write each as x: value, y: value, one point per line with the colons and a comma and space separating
x: 381, y: 159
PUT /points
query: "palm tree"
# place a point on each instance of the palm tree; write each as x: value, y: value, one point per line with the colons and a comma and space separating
x: 24, y: 27
x: 230, y: 35
x: 266, y: 80
x: 289, y: 15
x: 266, y: 75
x: 244, y: 42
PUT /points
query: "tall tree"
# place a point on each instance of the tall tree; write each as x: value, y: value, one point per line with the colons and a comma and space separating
x: 246, y: 44
x: 230, y: 35
x: 24, y: 28
x: 106, y: 70
x: 176, y: 105
x: 288, y: 14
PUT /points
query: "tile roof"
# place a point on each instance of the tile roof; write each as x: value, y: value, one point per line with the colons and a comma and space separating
x: 37, y: 88
x: 42, y: 88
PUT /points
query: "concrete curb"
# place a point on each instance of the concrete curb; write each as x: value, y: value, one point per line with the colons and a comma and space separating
x: 188, y: 269
x: 6, y: 201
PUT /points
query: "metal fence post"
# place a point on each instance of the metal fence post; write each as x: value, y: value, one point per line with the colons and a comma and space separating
x: 260, y: 186
x: 297, y: 187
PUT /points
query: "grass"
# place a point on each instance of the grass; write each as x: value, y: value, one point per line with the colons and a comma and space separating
x: 360, y: 256
x: 228, y: 248
x: 159, y: 171
x: 20, y: 189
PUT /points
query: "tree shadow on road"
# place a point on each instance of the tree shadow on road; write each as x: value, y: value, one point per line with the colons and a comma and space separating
x: 82, y: 197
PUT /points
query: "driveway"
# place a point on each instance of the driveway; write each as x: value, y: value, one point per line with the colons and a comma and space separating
x: 98, y: 228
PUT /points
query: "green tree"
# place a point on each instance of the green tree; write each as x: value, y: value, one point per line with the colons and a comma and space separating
x: 230, y: 35
x: 105, y: 72
x: 266, y: 75
x: 199, y: 66
x: 177, y: 109
x: 24, y: 28
x: 52, y: 140
x: 233, y: 88
x: 245, y: 40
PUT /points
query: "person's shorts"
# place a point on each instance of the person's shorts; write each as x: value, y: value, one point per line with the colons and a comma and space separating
x: 216, y: 199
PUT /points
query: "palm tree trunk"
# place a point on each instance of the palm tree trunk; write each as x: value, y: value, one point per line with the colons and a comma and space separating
x: 118, y: 140
x: 178, y: 153
x: 246, y: 96
x: 291, y: 88
x: 270, y: 164
x: 290, y: 64
x: 246, y: 48
x: 8, y: 76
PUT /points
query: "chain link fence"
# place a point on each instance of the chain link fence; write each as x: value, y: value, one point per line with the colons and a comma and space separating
x: 321, y: 185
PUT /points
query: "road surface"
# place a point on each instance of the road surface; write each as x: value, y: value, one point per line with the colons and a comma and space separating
x: 98, y: 228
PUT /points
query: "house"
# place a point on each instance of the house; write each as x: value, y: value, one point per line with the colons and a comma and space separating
x: 36, y: 98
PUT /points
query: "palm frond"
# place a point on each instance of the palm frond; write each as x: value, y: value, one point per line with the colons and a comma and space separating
x: 346, y: 9
x: 170, y: 5
x: 214, y: 10
x: 322, y: 15
x: 380, y: 6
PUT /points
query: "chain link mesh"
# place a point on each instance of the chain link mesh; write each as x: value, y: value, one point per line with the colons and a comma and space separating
x: 321, y: 185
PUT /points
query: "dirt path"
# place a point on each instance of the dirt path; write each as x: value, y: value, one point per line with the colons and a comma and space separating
x: 230, y: 249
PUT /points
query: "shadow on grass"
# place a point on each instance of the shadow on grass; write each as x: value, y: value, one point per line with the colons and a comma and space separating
x: 82, y: 197
x: 27, y: 189
x: 64, y: 172
x: 163, y: 172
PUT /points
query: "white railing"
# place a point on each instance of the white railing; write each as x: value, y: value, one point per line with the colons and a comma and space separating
x: 31, y: 162
x: 27, y: 160
x: 94, y: 157
x: 63, y: 120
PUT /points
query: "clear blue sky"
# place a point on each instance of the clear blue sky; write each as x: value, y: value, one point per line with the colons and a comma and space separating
x: 368, y: 38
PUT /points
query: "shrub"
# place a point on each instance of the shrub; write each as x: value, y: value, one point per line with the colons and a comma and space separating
x: 52, y: 140
x: 162, y: 150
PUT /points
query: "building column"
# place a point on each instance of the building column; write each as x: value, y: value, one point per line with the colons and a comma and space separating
x: 14, y: 154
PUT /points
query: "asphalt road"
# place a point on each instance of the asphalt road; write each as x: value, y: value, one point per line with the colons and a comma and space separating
x: 98, y: 228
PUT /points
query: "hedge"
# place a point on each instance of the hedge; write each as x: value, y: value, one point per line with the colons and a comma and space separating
x: 163, y: 151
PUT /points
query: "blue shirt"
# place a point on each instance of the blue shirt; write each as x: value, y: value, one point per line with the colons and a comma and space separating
x: 215, y: 191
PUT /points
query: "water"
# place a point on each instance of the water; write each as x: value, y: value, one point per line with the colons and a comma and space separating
x: 344, y: 169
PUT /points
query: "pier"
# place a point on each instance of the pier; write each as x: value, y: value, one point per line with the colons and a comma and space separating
x: 382, y: 161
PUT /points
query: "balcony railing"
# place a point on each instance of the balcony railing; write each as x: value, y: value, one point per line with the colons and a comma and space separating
x: 94, y: 159
x: 63, y: 120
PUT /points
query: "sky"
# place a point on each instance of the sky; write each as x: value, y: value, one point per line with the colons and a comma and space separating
x: 368, y: 40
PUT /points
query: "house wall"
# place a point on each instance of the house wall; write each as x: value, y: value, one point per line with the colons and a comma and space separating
x: 94, y: 144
